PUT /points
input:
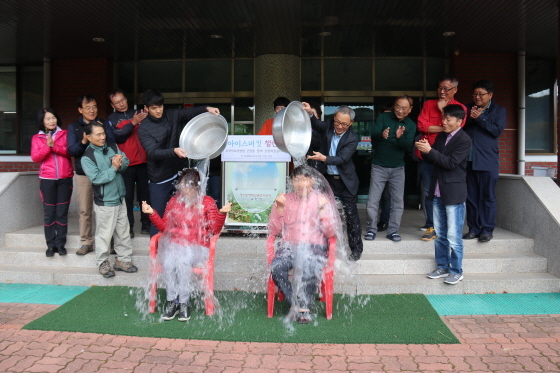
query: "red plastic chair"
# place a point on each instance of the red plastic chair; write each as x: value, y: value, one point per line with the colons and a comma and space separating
x: 327, y: 284
x: 207, y: 275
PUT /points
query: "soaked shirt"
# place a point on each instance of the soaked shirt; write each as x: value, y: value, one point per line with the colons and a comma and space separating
x: 303, y: 220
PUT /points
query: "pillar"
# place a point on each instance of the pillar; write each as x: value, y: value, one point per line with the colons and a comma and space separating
x: 275, y: 75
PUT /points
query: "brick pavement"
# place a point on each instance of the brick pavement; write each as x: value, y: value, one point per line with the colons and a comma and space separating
x: 488, y: 344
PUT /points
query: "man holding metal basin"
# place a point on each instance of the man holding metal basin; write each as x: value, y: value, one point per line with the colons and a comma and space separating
x: 159, y: 135
x: 338, y: 144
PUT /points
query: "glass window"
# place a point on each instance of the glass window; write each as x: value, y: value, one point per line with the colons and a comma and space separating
x: 31, y: 101
x: 244, y: 110
x: 539, y: 134
x: 165, y: 76
x: 396, y: 74
x: 311, y: 74
x: 8, y: 124
x: 244, y: 75
x: 125, y: 71
x: 208, y: 76
x: 435, y: 68
x: 348, y: 75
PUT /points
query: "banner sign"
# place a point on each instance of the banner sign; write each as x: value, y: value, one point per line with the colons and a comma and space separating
x: 245, y: 148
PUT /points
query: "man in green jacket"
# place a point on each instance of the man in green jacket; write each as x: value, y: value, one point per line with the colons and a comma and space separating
x: 393, y: 134
x: 103, y: 164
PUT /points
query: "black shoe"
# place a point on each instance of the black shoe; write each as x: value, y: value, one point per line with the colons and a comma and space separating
x: 184, y: 312
x: 50, y: 251
x: 131, y: 233
x: 469, y: 236
x: 62, y: 251
x: 171, y: 310
x: 145, y: 229
x: 355, y: 255
x: 485, y: 237
x: 381, y: 226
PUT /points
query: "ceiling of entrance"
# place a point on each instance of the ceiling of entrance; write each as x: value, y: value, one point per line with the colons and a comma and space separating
x: 166, y: 29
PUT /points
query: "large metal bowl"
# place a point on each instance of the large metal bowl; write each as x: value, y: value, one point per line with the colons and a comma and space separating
x: 204, y: 136
x: 291, y: 130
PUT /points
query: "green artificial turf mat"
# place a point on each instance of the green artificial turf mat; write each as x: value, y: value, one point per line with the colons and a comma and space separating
x: 398, y: 318
x: 41, y: 294
x: 496, y: 304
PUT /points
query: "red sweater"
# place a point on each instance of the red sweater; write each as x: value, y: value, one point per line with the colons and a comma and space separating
x: 190, y: 225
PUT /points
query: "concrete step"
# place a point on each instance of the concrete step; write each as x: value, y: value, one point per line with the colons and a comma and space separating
x: 476, y: 283
x: 227, y: 261
x: 503, y: 242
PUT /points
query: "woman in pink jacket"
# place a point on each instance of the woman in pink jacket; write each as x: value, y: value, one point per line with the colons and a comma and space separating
x: 49, y: 148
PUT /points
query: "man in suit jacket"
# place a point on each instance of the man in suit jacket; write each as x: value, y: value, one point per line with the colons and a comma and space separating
x: 485, y: 123
x: 338, y: 144
x: 449, y: 192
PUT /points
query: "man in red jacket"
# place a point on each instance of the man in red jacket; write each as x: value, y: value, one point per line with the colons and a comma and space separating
x: 125, y: 124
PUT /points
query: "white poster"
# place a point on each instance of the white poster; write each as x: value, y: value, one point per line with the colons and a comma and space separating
x: 245, y: 148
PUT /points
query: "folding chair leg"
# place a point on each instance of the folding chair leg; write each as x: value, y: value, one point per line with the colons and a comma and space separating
x: 270, y: 296
x: 153, y: 297
x: 328, y: 295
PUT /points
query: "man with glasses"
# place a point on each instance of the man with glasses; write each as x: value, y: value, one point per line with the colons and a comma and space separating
x: 339, y: 142
x: 77, y: 145
x: 429, y: 126
x: 393, y: 134
x: 125, y: 124
x: 486, y: 121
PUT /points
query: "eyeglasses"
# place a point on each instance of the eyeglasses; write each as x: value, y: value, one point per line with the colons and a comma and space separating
x: 480, y: 94
x: 121, y: 101
x: 90, y: 108
x: 401, y: 108
x: 344, y: 125
x: 444, y: 89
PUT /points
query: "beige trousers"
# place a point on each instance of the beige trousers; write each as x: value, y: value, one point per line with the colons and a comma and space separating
x: 112, y: 221
x: 85, y: 202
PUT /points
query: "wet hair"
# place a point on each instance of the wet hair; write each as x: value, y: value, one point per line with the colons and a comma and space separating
x: 484, y: 84
x: 87, y: 98
x: 317, y: 108
x: 88, y: 129
x: 41, y: 118
x: 303, y: 170
x: 449, y: 77
x: 343, y: 109
x: 281, y: 101
x: 455, y: 111
x: 115, y: 92
x: 190, y: 177
x: 152, y: 98
x: 404, y: 97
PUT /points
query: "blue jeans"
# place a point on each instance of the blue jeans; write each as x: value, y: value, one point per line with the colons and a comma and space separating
x: 448, y: 223
x: 426, y: 172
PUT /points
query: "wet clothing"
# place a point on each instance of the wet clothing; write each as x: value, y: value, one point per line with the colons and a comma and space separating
x: 55, y: 186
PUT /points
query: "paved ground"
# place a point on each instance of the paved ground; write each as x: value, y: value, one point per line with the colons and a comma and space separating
x: 488, y: 344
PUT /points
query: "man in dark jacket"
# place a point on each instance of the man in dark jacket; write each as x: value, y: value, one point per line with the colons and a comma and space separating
x: 159, y: 135
x: 77, y: 144
x: 125, y: 124
x: 485, y: 123
x: 448, y: 192
x: 339, y: 142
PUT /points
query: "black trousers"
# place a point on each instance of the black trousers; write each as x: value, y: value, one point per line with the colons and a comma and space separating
x: 481, y: 200
x: 136, y: 175
x: 56, y: 195
x: 349, y: 203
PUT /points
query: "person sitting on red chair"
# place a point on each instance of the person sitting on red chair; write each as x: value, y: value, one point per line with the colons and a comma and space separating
x: 190, y: 220
x: 306, y: 218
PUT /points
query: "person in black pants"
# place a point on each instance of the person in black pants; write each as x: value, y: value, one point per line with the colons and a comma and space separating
x: 159, y: 135
x: 125, y: 124
x: 339, y: 142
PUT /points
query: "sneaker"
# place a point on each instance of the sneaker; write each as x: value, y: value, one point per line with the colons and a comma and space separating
x: 105, y: 269
x: 145, y: 229
x: 62, y: 251
x: 171, y: 310
x: 127, y: 267
x: 370, y: 236
x: 423, y: 229
x: 429, y: 235
x: 84, y: 250
x: 355, y: 255
x: 184, y: 312
x: 453, y: 278
x: 394, y: 237
x: 438, y: 273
